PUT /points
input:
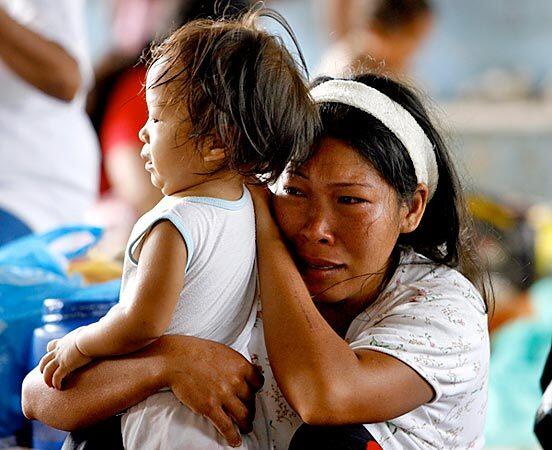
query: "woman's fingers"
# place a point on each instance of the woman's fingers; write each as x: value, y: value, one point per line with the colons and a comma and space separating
x: 244, y: 392
x: 223, y: 423
x: 49, y: 370
x: 254, y: 377
x: 260, y: 194
x: 45, y: 360
x: 214, y: 381
x: 242, y: 414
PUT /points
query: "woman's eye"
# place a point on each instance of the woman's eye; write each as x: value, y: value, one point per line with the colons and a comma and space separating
x: 289, y: 190
x: 153, y: 120
x: 348, y: 200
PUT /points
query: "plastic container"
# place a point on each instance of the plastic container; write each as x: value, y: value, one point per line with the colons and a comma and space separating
x: 60, y: 316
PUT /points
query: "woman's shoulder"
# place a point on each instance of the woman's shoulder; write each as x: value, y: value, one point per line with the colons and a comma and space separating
x: 421, y: 281
x: 430, y: 317
x: 427, y: 297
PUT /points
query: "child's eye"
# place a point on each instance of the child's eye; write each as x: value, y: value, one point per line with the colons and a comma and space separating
x: 154, y: 120
x: 290, y: 190
x: 348, y: 200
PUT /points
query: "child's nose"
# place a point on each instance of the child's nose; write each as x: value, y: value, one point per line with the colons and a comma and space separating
x: 143, y: 135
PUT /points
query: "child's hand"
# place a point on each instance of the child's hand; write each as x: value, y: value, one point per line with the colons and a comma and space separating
x: 63, y: 357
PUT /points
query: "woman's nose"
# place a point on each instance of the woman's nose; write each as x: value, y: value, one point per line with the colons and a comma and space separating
x: 143, y: 135
x: 317, y: 227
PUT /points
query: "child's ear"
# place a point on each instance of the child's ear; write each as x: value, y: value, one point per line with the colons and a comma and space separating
x: 214, y: 154
x: 213, y: 150
x: 413, y: 212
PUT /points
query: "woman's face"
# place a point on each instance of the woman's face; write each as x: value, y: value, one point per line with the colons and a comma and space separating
x: 342, y: 219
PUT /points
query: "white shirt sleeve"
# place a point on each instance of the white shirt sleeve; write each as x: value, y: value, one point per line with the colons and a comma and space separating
x: 61, y: 21
x: 187, y: 218
x: 189, y: 222
x: 438, y: 328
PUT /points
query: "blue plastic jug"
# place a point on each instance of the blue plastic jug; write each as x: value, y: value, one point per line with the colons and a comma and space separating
x: 32, y: 269
x: 60, y: 316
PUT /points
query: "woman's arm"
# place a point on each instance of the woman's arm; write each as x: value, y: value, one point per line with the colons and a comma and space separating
x: 210, y: 378
x: 40, y: 62
x: 322, y: 378
x: 101, y: 390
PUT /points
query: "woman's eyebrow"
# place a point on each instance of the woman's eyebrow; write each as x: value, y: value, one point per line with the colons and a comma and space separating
x: 349, y: 184
x: 297, y: 173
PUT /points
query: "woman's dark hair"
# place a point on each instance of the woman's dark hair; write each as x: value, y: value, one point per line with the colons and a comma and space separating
x: 396, y: 14
x: 240, y: 86
x: 444, y: 234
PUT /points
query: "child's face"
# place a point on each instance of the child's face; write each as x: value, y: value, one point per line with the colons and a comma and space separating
x: 170, y: 155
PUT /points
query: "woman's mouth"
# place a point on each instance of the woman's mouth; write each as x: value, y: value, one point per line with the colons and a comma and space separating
x: 319, y: 266
x: 322, y: 267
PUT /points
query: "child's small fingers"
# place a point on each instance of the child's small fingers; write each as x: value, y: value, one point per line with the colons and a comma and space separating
x: 45, y: 360
x: 42, y: 364
x: 58, y: 377
x: 52, y: 345
x: 49, y: 371
x: 47, y: 380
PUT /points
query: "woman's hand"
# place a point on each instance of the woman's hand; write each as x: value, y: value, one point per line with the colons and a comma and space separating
x: 264, y: 220
x: 213, y: 380
x: 210, y: 378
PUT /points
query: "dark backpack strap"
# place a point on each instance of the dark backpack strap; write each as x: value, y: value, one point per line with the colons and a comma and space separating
x: 104, y: 435
x: 345, y: 437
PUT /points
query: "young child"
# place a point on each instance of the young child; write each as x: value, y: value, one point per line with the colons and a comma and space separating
x: 225, y: 101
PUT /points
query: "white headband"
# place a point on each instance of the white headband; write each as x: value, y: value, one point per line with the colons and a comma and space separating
x: 393, y: 116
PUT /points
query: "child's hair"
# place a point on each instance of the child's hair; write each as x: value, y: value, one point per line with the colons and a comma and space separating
x: 444, y: 234
x: 241, y: 87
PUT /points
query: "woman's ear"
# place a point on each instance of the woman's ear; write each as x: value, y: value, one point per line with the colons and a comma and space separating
x: 415, y: 209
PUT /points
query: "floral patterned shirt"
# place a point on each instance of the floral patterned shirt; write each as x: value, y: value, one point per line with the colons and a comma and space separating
x: 433, y: 319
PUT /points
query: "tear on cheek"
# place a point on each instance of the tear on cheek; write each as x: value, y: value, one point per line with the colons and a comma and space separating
x: 377, y: 214
x: 381, y: 217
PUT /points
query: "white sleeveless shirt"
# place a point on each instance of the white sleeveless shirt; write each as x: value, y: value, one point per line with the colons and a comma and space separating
x: 217, y: 301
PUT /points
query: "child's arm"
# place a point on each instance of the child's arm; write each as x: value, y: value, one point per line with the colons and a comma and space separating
x: 126, y: 328
x: 159, y: 281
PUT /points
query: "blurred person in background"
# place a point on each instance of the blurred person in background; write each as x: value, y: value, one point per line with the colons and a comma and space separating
x: 118, y: 107
x: 47, y: 145
x: 381, y: 35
